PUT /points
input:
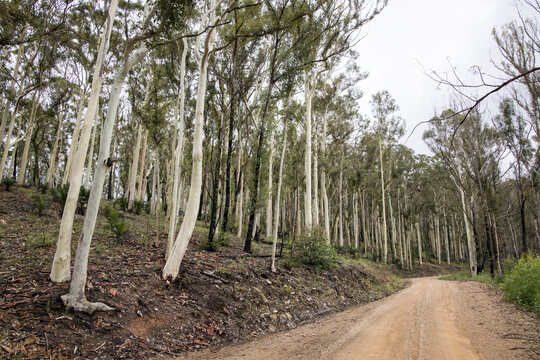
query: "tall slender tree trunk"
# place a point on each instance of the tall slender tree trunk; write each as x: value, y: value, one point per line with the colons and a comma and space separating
x: 142, y: 167
x: 308, y: 92
x: 384, y: 227
x: 61, y: 264
x: 270, y: 189
x: 76, y: 297
x: 5, y: 114
x: 232, y: 108
x: 28, y: 141
x: 173, y: 219
x: 134, y: 163
x: 254, y: 193
x: 172, y: 266
x: 75, y: 136
x: 340, y: 197
x: 278, y: 200
x: 90, y: 158
x: 419, y: 238
x: 316, y: 184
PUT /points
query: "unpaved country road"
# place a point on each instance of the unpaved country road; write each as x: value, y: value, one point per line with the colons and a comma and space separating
x: 430, y: 319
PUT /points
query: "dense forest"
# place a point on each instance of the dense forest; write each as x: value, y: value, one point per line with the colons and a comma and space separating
x: 245, y: 115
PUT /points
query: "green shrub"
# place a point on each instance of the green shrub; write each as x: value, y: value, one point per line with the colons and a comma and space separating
x: 8, y: 182
x: 147, y: 207
x: 122, y: 203
x: 522, y: 284
x: 43, y: 188
x: 40, y: 203
x: 84, y: 195
x: 43, y: 240
x: 138, y: 206
x: 117, y: 224
x: 313, y: 249
x: 59, y: 195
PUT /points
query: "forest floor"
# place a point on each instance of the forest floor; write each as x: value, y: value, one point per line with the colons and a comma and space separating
x: 220, y: 298
x: 430, y: 319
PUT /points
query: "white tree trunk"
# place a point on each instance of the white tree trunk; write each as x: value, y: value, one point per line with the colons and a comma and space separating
x: 8, y: 144
x: 179, y: 142
x: 75, y: 137
x: 28, y: 136
x: 5, y: 114
x: 315, y: 185
x: 438, y: 238
x: 76, y: 297
x: 90, y: 158
x: 419, y: 242
x: 355, y: 221
x: 142, y: 167
x: 384, y: 227
x: 340, y: 197
x: 278, y: 200
x: 270, y: 190
x: 17, y: 139
x: 470, y: 242
x: 323, y: 182
x: 172, y: 266
x: 308, y: 92
x: 61, y: 264
x: 134, y: 164
x: 52, y: 160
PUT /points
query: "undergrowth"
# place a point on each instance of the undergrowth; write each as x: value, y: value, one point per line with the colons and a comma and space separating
x: 520, y: 285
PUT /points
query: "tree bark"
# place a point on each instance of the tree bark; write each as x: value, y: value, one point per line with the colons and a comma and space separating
x: 278, y: 200
x: 172, y: 266
x: 76, y: 297
x: 60, y: 271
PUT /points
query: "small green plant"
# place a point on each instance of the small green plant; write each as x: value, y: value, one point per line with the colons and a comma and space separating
x: 43, y: 188
x: 147, y: 207
x: 122, y: 203
x: 8, y: 183
x: 213, y: 246
x: 59, y: 195
x: 117, y: 224
x: 43, y: 240
x: 138, y: 206
x: 40, y: 202
x: 522, y: 284
x: 84, y: 195
x: 313, y: 249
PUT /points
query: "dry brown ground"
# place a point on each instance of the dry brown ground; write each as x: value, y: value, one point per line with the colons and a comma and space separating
x: 430, y: 319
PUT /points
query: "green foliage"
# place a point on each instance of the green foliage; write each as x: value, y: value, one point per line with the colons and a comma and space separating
x: 313, y: 249
x: 43, y: 240
x: 122, y: 203
x: 84, y: 195
x: 43, y: 188
x: 147, y: 206
x: 40, y: 203
x: 465, y: 275
x: 138, y: 206
x: 8, y: 182
x: 220, y: 239
x: 522, y: 284
x: 59, y: 195
x: 117, y: 224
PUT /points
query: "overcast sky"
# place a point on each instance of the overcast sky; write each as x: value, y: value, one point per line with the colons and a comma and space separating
x: 411, y: 34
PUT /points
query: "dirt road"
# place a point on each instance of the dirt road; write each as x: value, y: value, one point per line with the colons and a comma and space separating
x: 430, y: 319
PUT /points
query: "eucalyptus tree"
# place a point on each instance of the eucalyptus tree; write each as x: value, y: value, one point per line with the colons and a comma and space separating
x: 514, y: 131
x: 388, y: 127
x: 155, y: 18
x: 61, y: 270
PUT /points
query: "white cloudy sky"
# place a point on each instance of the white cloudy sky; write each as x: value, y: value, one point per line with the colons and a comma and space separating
x: 431, y: 33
